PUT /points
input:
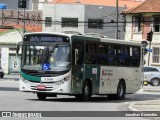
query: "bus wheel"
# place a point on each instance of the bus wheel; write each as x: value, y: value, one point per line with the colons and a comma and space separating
x: 78, y: 97
x: 41, y: 96
x: 86, y: 93
x: 120, y: 91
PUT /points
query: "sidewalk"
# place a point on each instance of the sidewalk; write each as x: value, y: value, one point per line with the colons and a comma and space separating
x: 11, y: 77
x: 150, y: 89
x: 148, y: 105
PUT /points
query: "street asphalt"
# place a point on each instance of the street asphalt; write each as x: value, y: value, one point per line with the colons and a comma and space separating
x: 149, y: 105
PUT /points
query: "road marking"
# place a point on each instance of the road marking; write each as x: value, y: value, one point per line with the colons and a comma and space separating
x: 131, y: 107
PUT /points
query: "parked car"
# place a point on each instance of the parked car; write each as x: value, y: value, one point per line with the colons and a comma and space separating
x: 152, y: 75
x: 1, y: 72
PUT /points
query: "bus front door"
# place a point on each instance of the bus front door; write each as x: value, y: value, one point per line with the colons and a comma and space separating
x: 77, y: 67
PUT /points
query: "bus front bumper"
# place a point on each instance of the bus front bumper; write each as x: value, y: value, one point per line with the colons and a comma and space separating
x: 43, y: 87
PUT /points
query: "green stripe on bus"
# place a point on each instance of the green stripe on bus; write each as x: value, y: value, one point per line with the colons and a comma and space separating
x: 86, y: 38
x: 30, y: 78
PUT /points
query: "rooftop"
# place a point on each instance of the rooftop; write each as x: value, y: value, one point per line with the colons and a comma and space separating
x: 121, y: 3
x: 149, y: 6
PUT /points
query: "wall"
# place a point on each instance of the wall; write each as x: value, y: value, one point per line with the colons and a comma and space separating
x: 57, y: 11
x: 107, y: 13
x: 139, y: 36
x: 8, y: 42
x: 83, y: 13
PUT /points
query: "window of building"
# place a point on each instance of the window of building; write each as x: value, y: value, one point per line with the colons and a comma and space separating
x: 69, y: 22
x: 136, y: 23
x: 156, y: 55
x: 95, y: 23
x: 156, y: 24
x: 48, y: 21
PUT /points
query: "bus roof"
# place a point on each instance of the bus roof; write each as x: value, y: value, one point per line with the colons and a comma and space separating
x: 55, y: 33
x: 85, y: 37
x: 109, y: 40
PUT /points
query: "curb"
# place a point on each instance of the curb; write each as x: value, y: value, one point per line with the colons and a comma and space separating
x: 152, y: 90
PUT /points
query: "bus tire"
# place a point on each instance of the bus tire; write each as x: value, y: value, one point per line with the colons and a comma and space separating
x: 86, y: 92
x: 41, y: 96
x: 120, y: 91
x: 78, y: 97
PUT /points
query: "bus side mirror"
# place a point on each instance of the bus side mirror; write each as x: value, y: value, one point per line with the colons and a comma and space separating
x: 19, y: 50
x: 76, y: 56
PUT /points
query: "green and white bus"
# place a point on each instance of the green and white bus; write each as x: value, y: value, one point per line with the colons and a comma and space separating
x: 63, y: 64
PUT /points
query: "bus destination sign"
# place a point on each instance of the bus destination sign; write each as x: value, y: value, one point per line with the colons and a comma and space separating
x: 46, y: 38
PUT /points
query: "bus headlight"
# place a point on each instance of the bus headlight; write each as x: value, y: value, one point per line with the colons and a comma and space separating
x: 66, y: 78
x: 62, y: 81
x: 59, y: 82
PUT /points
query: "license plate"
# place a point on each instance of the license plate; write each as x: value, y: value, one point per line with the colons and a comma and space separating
x: 47, y: 79
x: 41, y: 87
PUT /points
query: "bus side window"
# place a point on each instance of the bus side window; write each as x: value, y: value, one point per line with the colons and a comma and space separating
x: 123, y: 55
x: 112, y: 58
x: 135, y: 56
x: 102, y: 54
x: 91, y: 57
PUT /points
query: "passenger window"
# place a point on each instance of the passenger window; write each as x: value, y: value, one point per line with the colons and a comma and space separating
x: 102, y: 54
x: 135, y: 59
x: 91, y: 57
x: 123, y: 55
x: 112, y: 60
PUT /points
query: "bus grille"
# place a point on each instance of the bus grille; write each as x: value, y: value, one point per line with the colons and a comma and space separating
x: 48, y: 88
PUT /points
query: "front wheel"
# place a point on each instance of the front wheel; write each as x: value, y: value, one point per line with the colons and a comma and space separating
x: 86, y: 92
x: 41, y: 96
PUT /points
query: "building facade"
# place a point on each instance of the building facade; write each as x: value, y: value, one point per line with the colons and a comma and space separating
x: 140, y: 21
x: 82, y: 18
x: 31, y: 4
x: 58, y: 16
x: 9, y: 61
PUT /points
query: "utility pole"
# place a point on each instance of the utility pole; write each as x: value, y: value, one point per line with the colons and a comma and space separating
x: 24, y: 28
x: 117, y: 14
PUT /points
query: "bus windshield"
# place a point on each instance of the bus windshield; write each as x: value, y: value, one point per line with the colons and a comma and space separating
x: 46, y: 58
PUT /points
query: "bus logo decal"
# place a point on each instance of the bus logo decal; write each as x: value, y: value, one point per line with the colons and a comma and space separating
x: 46, y: 66
x: 94, y: 71
x: 107, y: 72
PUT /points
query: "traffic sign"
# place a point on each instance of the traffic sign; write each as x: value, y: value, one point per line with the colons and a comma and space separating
x: 149, y: 50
